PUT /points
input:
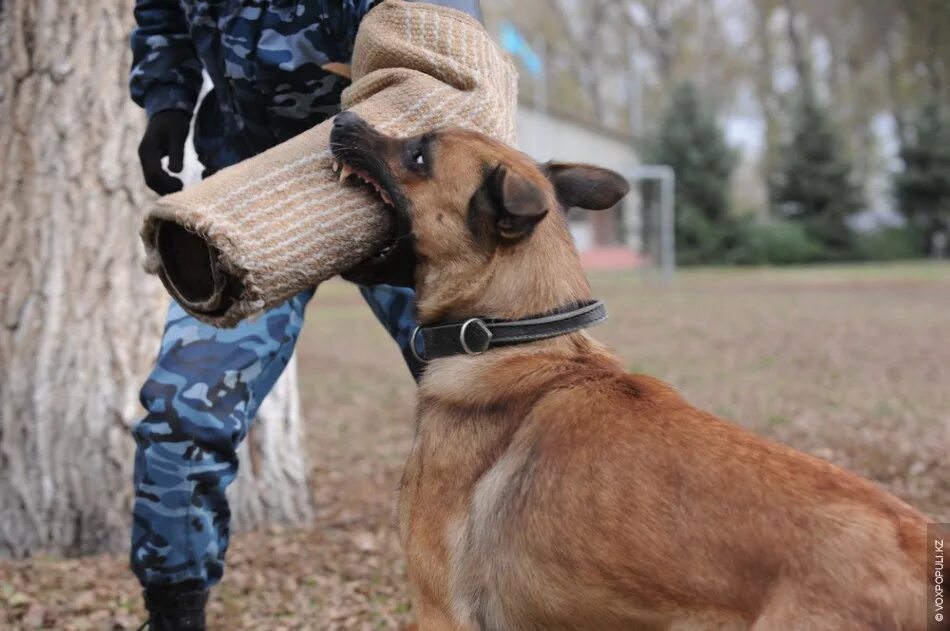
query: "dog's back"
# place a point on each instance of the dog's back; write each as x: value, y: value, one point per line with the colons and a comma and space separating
x: 615, y: 503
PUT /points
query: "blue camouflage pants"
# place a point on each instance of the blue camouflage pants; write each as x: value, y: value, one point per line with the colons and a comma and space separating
x: 200, y: 400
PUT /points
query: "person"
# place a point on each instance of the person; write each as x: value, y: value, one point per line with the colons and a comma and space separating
x: 265, y: 63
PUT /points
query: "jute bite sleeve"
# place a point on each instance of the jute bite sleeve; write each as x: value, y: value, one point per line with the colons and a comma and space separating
x: 257, y: 233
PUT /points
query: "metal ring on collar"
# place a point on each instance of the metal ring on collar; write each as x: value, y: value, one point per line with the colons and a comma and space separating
x: 465, y: 345
x: 412, y: 345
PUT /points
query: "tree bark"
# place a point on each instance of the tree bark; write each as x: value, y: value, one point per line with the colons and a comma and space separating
x: 272, y: 478
x: 79, y: 319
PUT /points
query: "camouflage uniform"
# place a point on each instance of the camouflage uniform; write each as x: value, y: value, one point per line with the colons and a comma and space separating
x: 264, y: 61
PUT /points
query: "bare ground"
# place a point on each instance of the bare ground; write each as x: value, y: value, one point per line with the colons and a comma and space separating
x: 851, y: 364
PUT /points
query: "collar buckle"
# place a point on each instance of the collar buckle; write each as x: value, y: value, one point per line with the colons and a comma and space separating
x: 414, y: 348
x: 475, y: 348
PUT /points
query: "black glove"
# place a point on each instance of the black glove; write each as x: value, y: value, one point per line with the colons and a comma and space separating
x: 165, y: 135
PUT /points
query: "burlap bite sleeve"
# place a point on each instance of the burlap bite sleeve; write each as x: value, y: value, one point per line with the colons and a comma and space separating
x: 259, y: 232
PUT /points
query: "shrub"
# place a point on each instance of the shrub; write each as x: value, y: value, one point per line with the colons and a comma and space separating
x: 890, y: 244
x: 700, y: 240
x: 773, y: 242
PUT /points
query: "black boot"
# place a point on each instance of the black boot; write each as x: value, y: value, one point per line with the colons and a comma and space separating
x: 178, y: 607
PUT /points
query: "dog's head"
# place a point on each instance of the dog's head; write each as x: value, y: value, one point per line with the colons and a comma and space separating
x: 460, y: 200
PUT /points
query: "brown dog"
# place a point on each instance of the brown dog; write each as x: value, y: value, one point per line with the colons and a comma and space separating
x: 549, y: 489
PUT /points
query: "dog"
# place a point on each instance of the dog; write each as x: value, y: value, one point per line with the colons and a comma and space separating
x: 547, y: 488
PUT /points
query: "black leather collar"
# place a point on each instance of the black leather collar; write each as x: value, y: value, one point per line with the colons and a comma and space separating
x: 476, y: 335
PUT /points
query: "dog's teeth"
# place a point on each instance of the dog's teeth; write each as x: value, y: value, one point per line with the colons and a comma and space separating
x: 386, y: 198
x: 335, y: 166
x: 345, y: 172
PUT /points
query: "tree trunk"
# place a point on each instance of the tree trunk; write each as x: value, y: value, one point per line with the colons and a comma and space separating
x: 894, y: 87
x: 272, y: 479
x: 799, y: 53
x: 769, y: 99
x: 79, y: 320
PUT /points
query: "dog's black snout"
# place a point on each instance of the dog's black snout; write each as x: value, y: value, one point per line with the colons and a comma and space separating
x: 350, y: 135
x: 347, y: 119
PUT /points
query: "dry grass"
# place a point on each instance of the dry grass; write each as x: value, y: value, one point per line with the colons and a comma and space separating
x: 851, y: 364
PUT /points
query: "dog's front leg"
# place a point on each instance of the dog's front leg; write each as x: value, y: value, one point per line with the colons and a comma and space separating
x: 432, y: 618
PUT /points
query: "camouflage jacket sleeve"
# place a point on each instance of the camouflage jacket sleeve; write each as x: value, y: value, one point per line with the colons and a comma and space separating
x: 355, y: 10
x: 166, y: 72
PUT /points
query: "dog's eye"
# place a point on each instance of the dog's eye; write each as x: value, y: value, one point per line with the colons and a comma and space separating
x: 417, y: 155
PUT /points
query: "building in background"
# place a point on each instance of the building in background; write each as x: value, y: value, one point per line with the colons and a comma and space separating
x: 609, y: 238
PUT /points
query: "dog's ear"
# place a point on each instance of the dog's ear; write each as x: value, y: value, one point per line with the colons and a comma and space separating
x: 586, y: 186
x: 338, y: 68
x: 519, y: 203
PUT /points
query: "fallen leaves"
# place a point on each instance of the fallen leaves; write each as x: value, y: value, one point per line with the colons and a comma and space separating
x: 852, y: 375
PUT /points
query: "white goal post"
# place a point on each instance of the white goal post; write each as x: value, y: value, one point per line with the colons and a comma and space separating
x: 666, y: 177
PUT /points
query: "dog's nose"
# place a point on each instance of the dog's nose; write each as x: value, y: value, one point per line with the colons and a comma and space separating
x: 346, y: 119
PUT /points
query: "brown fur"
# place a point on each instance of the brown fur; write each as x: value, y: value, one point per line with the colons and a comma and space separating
x: 338, y: 68
x: 549, y: 489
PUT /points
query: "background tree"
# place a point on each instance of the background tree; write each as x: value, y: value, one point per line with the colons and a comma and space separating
x: 814, y: 185
x: 761, y: 69
x: 79, y: 320
x: 870, y: 63
x: 923, y: 187
x: 690, y: 140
